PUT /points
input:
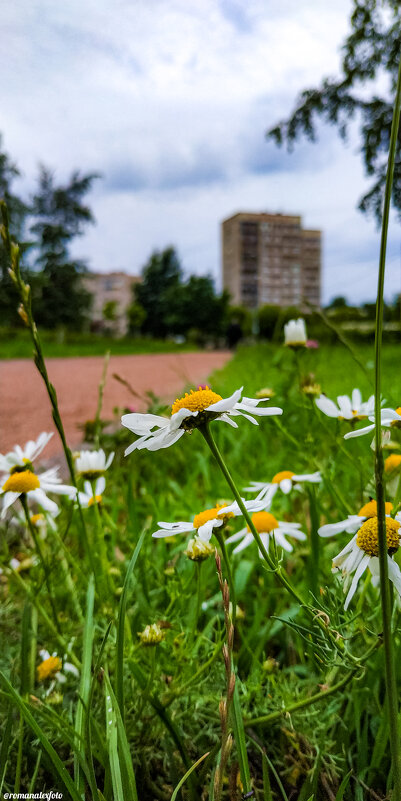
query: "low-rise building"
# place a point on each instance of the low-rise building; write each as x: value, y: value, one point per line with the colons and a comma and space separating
x: 112, y: 297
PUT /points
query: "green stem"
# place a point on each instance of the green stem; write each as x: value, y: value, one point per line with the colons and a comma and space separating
x: 41, y: 557
x: 304, y: 702
x: 195, y: 617
x: 17, y: 782
x: 104, y: 580
x: 391, y: 684
x: 220, y: 539
x: 48, y: 621
x: 275, y: 568
x: 314, y: 542
x: 24, y: 291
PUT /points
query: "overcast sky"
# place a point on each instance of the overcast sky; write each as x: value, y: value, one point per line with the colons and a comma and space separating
x: 170, y: 101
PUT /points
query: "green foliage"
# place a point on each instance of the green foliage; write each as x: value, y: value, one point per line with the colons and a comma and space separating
x: 110, y: 310
x: 59, y: 216
x: 171, y: 306
x: 370, y: 52
x: 161, y: 277
x: 16, y: 344
x: 242, y: 316
x: 136, y: 318
x: 18, y: 211
x: 171, y: 692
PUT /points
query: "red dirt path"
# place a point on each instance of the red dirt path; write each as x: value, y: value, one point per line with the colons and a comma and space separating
x: 25, y: 407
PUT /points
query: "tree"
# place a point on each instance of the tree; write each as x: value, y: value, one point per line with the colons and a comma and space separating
x: 201, y: 309
x: 372, y: 48
x: 17, y: 211
x: 338, y: 302
x: 161, y: 278
x: 60, y: 216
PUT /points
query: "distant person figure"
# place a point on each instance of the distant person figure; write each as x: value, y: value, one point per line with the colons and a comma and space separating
x: 234, y: 333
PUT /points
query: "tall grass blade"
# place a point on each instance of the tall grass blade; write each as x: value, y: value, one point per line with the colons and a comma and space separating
x: 127, y: 773
x: 187, y: 774
x: 59, y: 769
x: 85, y: 682
x: 119, y: 667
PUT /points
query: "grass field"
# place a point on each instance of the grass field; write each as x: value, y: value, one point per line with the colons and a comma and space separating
x: 307, y: 717
x: 17, y: 345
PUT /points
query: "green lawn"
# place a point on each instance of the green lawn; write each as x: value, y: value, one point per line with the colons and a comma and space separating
x: 17, y: 345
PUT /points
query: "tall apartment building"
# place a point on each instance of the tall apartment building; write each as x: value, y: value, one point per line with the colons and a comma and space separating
x: 270, y: 258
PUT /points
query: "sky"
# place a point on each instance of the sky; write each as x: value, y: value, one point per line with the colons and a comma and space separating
x: 170, y: 103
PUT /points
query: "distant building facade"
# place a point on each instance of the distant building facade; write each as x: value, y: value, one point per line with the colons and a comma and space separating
x: 270, y: 258
x: 112, y: 297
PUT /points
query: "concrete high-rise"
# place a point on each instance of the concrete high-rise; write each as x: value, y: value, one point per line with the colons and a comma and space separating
x: 270, y: 258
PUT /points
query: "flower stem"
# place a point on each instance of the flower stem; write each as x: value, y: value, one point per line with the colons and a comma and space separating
x: 230, y: 578
x: 391, y: 684
x: 41, y: 557
x: 274, y: 567
x: 25, y: 311
x: 196, y: 612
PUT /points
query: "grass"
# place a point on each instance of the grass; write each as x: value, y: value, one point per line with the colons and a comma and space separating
x: 16, y: 344
x: 138, y: 718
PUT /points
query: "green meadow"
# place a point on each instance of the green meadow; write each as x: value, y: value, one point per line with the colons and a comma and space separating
x: 132, y: 717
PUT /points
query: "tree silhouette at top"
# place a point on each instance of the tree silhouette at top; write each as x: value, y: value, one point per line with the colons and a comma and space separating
x: 371, y: 51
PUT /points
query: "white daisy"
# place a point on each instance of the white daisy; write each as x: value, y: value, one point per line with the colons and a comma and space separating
x: 189, y: 412
x: 19, y: 457
x: 91, y: 494
x: 353, y: 523
x: 348, y: 408
x: 204, y: 522
x: 53, y: 667
x: 267, y: 526
x: 285, y: 480
x: 295, y: 333
x: 92, y: 464
x: 362, y: 551
x: 34, y: 486
x: 39, y: 520
x: 389, y: 417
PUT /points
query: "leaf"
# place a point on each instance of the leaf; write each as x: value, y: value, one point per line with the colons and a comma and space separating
x: 240, y: 742
x: 85, y: 683
x: 119, y: 668
x: 187, y: 774
x: 343, y: 786
x: 55, y: 760
x: 128, y: 775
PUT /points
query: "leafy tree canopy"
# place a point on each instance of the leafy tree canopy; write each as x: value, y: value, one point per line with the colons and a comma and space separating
x: 171, y: 305
x: 60, y: 215
x: 370, y: 51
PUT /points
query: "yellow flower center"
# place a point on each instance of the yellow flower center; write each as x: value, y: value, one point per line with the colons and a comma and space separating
x: 281, y: 476
x: 367, y: 536
x: 370, y: 509
x: 37, y: 519
x: 95, y: 499
x: 210, y: 514
x: 397, y: 423
x: 263, y: 522
x: 392, y: 462
x: 48, y: 668
x: 22, y: 482
x: 196, y: 400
